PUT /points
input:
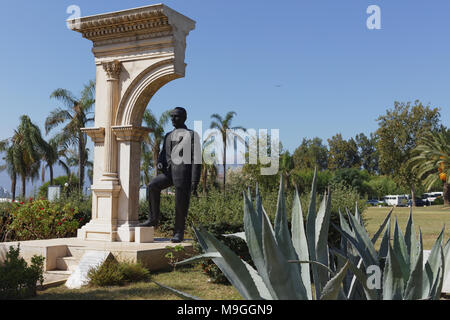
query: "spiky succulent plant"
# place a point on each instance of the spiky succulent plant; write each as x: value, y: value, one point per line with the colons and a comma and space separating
x: 284, y: 261
x: 405, y: 274
x: 301, y: 265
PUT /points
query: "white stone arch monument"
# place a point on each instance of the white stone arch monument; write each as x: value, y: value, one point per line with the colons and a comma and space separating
x: 136, y: 51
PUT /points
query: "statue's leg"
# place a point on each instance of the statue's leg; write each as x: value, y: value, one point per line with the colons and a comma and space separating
x: 182, y: 198
x: 155, y: 187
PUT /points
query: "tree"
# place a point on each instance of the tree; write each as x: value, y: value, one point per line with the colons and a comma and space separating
x: 75, y: 116
x: 311, y: 154
x: 286, y: 167
x: 352, y: 177
x: 223, y: 125
x: 400, y: 131
x: 342, y: 153
x: 24, y: 152
x: 209, y: 170
x: 153, y: 142
x: 368, y: 151
x: 53, y: 156
x: 431, y: 161
x: 10, y: 165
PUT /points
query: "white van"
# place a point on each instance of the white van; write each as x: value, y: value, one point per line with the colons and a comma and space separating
x: 398, y: 200
x: 431, y: 196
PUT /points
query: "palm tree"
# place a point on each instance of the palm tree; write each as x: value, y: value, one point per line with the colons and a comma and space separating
x: 75, y: 116
x: 9, y: 165
x: 146, y: 163
x: 431, y: 161
x: 26, y: 149
x: 56, y: 151
x: 153, y: 142
x: 223, y: 125
x: 208, y: 169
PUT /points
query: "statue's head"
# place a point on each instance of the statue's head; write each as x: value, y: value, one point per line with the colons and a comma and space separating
x: 178, y: 116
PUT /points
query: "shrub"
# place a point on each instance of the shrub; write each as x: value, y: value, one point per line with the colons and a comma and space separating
x: 438, y: 201
x: 60, y: 181
x: 237, y: 245
x: 5, y: 219
x: 42, y: 219
x: 17, y: 279
x: 113, y: 273
x: 81, y: 204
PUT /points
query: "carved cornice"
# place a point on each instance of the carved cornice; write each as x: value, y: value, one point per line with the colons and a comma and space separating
x: 113, y: 69
x: 130, y: 133
x: 155, y: 20
x: 96, y: 134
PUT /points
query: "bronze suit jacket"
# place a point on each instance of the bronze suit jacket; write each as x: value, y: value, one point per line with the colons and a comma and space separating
x: 181, y: 150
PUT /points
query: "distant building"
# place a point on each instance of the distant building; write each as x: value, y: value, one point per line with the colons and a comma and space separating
x: 5, y: 193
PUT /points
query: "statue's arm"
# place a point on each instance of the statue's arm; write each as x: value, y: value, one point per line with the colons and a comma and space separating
x: 162, y: 159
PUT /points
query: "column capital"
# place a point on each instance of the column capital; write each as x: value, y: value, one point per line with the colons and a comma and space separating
x: 130, y: 133
x: 113, y: 69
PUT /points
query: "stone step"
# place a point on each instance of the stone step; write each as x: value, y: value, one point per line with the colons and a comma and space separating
x: 67, y: 263
x: 76, y: 252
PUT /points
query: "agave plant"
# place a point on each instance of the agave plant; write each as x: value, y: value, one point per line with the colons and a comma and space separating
x: 405, y: 275
x: 301, y: 265
x: 284, y: 261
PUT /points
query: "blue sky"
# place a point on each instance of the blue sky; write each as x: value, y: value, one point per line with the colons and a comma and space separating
x: 307, y: 67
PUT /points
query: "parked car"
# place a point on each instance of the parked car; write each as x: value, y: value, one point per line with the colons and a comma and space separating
x: 419, y: 202
x: 373, y: 202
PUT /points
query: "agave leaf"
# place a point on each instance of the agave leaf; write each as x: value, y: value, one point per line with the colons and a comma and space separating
x: 253, y: 234
x: 300, y: 243
x: 411, y: 239
x: 400, y: 251
x: 384, y: 245
x: 259, y: 282
x: 371, y: 294
x: 344, y: 225
x: 447, y: 261
x: 231, y: 265
x: 432, y: 267
x: 324, y: 267
x: 209, y: 255
x: 282, y: 280
x: 284, y: 240
x: 413, y: 289
x: 282, y: 235
x: 393, y: 283
x: 358, y: 216
x: 438, y: 283
x: 311, y: 232
x: 178, y: 293
x: 363, y: 238
x: 382, y: 226
x: 360, y: 247
x: 333, y: 287
x: 239, y: 235
x: 322, y: 228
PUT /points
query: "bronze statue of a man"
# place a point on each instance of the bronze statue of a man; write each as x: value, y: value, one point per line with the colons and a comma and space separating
x: 180, y: 165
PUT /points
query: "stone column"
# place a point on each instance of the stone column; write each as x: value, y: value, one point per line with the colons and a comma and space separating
x: 129, y: 141
x: 113, y: 70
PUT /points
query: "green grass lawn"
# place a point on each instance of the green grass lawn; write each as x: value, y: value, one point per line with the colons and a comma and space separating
x: 187, y: 279
x: 430, y: 220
